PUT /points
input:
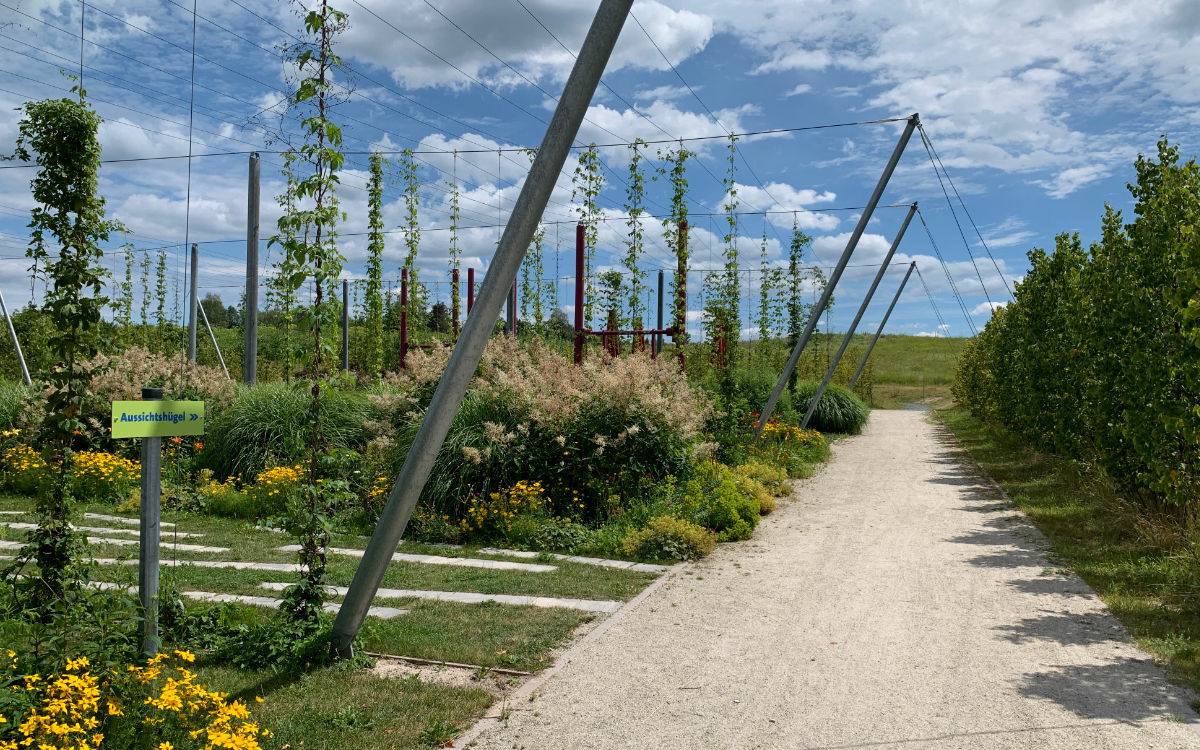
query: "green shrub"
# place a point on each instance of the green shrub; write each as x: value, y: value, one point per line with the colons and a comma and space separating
x: 268, y: 424
x: 721, y: 505
x: 561, y: 535
x: 669, y: 538
x: 839, y: 410
x: 771, y: 476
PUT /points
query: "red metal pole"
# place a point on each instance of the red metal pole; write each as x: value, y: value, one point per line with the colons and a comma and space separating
x: 403, y: 317
x: 578, y: 294
x: 514, y: 307
x: 454, y: 306
x: 470, y: 289
x: 681, y: 296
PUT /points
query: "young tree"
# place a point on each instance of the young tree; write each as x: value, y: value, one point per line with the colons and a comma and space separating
x: 308, y: 236
x: 67, y: 228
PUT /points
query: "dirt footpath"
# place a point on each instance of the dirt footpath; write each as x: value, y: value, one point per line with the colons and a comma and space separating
x: 897, y: 602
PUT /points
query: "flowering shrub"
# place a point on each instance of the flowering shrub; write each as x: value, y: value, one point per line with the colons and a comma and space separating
x: 158, y: 705
x: 24, y: 469
x: 104, y: 477
x: 790, y: 447
x: 271, y: 489
x: 493, y: 516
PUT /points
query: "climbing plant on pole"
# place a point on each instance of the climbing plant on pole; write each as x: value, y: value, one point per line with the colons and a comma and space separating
x: 67, y: 227
x: 765, y: 287
x: 410, y: 180
x: 797, y: 310
x: 674, y: 169
x: 586, y: 183
x: 316, y: 259
x: 455, y: 261
x: 635, y: 199
x: 373, y: 349
x: 160, y: 288
x: 124, y: 302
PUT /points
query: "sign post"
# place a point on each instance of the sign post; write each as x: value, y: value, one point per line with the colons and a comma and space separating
x: 151, y: 419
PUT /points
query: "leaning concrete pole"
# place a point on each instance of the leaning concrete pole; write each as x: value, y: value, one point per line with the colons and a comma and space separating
x: 882, y: 323
x: 250, y: 359
x: 815, y: 315
x: 862, y: 309
x: 522, y: 223
x: 12, y: 332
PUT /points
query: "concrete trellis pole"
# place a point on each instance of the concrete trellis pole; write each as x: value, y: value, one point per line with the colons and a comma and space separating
x: 345, y: 325
x: 250, y: 357
x: 148, y: 533
x: 193, y: 303
x: 862, y: 309
x: 658, y: 337
x: 815, y: 315
x: 452, y: 387
x: 912, y: 266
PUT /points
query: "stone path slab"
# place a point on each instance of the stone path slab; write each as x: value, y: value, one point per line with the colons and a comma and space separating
x: 121, y: 519
x: 164, y: 545
x: 463, y: 597
x: 20, y: 525
x: 618, y: 564
x: 384, y: 613
x: 462, y: 562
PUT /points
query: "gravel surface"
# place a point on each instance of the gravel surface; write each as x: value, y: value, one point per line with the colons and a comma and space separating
x: 898, y: 601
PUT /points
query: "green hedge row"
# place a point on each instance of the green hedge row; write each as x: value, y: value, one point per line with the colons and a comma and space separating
x: 1098, y: 358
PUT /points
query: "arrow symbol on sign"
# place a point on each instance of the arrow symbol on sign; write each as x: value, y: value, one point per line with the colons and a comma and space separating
x: 195, y: 416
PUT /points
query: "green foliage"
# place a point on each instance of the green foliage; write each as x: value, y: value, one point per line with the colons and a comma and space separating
x: 13, y: 399
x: 838, y: 411
x: 669, y: 538
x: 1097, y: 358
x: 561, y: 535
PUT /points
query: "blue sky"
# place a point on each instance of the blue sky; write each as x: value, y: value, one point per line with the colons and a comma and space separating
x: 1037, y: 108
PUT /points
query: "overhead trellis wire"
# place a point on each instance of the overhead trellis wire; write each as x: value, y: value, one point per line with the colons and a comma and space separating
x: 982, y: 241
x: 942, y: 325
x: 949, y: 278
x: 967, y: 245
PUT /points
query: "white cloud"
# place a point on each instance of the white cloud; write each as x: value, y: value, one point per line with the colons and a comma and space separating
x: 986, y: 308
x: 513, y: 36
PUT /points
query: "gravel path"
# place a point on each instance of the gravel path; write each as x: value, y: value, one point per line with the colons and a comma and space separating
x: 898, y: 602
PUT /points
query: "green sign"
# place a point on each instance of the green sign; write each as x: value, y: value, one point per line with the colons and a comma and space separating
x: 135, y: 419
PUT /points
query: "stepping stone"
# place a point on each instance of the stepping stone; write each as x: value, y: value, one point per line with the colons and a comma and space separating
x: 463, y: 597
x: 120, y: 519
x: 164, y: 545
x: 97, y: 529
x: 384, y: 613
x: 619, y: 564
x: 12, y: 512
x: 462, y: 562
x: 4, y: 544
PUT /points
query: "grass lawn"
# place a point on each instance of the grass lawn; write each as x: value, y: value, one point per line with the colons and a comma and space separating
x: 344, y: 709
x: 1146, y: 572
x: 337, y: 707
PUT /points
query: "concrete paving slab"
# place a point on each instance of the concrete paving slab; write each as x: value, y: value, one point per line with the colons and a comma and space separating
x: 464, y: 597
x: 463, y: 562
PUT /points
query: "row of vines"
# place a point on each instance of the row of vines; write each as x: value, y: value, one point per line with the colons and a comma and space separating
x: 1098, y: 358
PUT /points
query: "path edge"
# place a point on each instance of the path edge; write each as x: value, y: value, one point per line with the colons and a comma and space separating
x: 527, y: 691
